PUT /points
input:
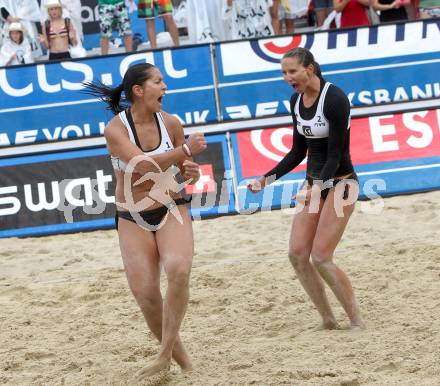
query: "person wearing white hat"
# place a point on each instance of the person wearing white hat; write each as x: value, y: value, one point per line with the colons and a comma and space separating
x: 58, y: 32
x: 16, y: 48
x: 28, y: 14
x: 72, y: 10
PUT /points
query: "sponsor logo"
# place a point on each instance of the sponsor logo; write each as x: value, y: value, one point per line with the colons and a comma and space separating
x: 54, y: 77
x: 272, y: 50
x: 307, y: 131
x: 62, y: 195
x: 333, y: 47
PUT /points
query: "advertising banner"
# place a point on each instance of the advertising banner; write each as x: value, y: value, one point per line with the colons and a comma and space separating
x: 38, y: 102
x: 56, y: 193
x: 380, y: 64
x: 396, y: 153
x: 213, y: 194
x: 74, y: 191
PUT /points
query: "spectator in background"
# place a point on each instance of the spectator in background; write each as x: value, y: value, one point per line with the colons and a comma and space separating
x: 72, y: 10
x: 58, y: 32
x: 16, y: 48
x: 28, y: 14
x: 114, y: 13
x: 274, y: 15
x: 353, y: 12
x: 390, y: 10
x: 149, y: 10
x: 248, y: 18
x: 429, y: 9
x: 204, y: 21
x: 288, y: 12
x: 322, y: 9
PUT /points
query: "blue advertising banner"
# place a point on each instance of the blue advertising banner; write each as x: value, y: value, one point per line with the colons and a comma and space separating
x: 389, y: 63
x: 49, y: 96
x: 74, y: 191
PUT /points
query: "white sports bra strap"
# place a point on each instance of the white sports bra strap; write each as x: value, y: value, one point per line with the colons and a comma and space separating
x: 123, y: 118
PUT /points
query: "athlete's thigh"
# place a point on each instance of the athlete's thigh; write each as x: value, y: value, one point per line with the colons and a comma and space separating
x: 139, y: 254
x: 331, y: 226
x: 303, y: 230
x: 175, y: 241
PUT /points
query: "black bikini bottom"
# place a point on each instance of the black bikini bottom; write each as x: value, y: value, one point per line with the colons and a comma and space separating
x: 59, y: 55
x: 152, y: 217
x: 324, y: 192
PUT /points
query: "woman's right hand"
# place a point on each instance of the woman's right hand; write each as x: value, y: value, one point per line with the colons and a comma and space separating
x: 196, y: 143
x: 256, y: 186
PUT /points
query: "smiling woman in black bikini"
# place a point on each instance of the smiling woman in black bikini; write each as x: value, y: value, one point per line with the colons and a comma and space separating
x: 144, y: 143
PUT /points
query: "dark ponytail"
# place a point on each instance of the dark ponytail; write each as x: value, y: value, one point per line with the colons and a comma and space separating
x: 112, y: 96
x: 305, y: 57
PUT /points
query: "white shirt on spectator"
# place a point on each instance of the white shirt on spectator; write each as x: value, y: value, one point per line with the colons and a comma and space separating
x: 29, y: 13
x: 248, y: 18
x: 205, y: 23
x: 23, y: 53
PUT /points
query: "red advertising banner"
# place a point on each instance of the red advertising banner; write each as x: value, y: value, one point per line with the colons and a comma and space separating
x: 206, y: 182
x: 375, y: 139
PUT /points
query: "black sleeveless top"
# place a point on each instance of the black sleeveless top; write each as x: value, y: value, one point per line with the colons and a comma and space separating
x: 394, y: 14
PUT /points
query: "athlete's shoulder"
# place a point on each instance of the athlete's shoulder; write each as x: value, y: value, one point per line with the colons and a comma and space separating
x: 173, y: 125
x: 336, y: 103
x: 171, y: 122
x: 335, y: 93
x: 115, y: 129
x: 115, y: 123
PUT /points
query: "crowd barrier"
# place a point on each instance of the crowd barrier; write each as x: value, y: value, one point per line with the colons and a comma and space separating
x: 55, y: 171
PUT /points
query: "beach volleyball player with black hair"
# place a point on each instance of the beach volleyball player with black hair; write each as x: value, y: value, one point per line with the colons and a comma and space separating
x: 153, y: 223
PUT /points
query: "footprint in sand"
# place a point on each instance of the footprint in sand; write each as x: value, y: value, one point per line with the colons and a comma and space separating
x: 33, y: 355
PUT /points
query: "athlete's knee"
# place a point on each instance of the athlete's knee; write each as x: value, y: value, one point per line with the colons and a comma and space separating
x: 179, y: 273
x: 147, y: 296
x: 299, y: 257
x: 320, y: 258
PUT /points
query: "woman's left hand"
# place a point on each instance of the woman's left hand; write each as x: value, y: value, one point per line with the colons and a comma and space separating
x: 190, y: 172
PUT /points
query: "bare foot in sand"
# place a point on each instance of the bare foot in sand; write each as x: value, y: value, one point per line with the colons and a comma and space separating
x: 187, y: 368
x: 182, y: 359
x: 156, y: 366
x: 359, y: 325
x: 328, y: 325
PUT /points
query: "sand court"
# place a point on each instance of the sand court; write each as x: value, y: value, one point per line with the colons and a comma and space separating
x: 67, y: 316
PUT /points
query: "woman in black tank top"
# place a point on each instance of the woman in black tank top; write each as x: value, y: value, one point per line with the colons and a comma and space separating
x: 327, y: 198
x: 390, y: 10
x: 152, y: 234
